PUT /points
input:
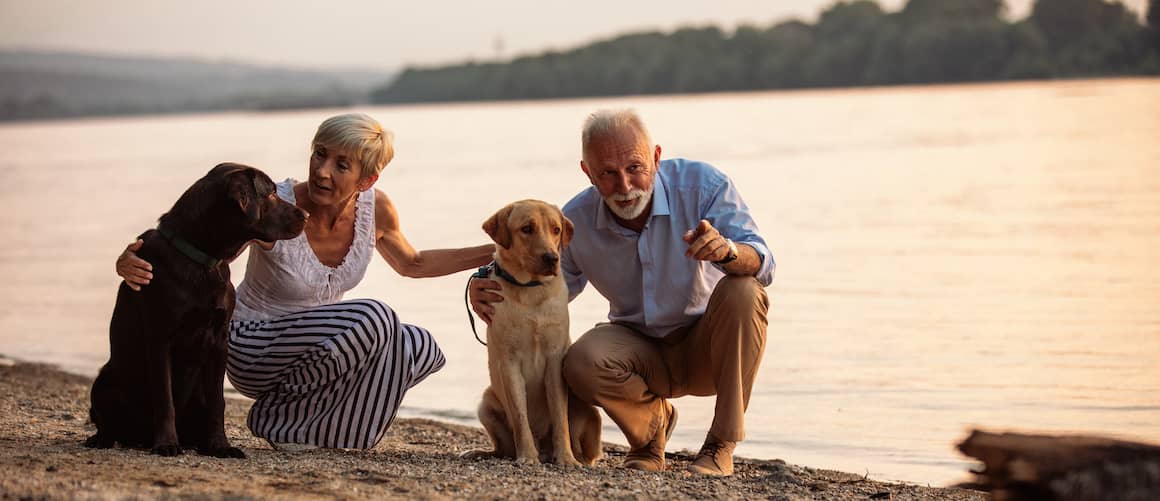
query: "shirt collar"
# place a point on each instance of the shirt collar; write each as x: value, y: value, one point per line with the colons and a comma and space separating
x: 660, y: 205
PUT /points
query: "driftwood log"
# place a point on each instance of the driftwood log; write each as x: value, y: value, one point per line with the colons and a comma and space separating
x: 1019, y: 466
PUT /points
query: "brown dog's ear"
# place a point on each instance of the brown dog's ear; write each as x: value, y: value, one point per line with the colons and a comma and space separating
x: 241, y: 191
x: 497, y: 228
x: 566, y: 236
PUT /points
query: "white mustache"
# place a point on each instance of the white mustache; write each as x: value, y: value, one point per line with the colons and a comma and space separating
x: 632, y: 195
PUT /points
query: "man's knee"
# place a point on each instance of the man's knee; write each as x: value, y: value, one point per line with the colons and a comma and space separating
x: 601, y: 354
x: 579, y: 365
x: 740, y: 294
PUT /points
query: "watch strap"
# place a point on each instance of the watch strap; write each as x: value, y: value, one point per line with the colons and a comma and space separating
x: 732, y: 256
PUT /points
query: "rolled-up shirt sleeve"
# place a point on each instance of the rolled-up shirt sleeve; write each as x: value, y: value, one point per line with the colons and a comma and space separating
x: 727, y: 212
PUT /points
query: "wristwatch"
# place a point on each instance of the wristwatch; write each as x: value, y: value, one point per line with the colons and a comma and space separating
x: 729, y: 258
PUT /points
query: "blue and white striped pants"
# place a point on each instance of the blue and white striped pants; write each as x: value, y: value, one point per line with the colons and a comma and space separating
x: 331, y: 376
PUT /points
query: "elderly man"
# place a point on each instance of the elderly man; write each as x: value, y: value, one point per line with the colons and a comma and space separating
x: 673, y: 248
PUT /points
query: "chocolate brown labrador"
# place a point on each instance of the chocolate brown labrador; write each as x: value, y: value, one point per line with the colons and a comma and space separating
x: 162, y: 385
x: 528, y: 412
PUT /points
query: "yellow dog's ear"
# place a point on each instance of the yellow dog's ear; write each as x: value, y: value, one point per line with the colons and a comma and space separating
x: 496, y: 227
x: 567, y: 233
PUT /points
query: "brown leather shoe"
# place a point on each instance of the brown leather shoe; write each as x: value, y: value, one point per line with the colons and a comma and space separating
x: 651, y: 457
x: 715, y: 458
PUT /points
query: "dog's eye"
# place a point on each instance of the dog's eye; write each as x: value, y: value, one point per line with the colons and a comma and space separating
x: 556, y: 230
x: 527, y: 229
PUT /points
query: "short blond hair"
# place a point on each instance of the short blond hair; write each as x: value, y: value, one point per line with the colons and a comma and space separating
x: 359, y: 135
x: 604, y: 123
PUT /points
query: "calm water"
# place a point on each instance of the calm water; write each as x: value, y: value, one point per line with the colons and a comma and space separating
x: 948, y: 257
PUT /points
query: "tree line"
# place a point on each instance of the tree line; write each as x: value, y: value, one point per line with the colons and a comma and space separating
x: 853, y: 43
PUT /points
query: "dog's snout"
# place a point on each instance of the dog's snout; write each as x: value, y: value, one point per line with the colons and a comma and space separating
x: 550, y: 258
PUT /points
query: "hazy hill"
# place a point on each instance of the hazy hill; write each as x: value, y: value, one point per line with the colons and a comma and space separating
x: 35, y: 84
x: 852, y: 43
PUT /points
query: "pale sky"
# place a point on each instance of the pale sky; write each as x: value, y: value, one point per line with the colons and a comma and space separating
x: 370, y: 34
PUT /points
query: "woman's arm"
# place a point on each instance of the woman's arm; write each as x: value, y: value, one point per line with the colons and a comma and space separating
x: 407, y: 261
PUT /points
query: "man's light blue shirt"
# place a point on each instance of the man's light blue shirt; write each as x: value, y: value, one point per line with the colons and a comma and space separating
x: 646, y: 277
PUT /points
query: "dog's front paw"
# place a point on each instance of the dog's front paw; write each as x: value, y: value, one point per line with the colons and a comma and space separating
x: 568, y: 461
x: 167, y: 450
x: 99, y: 441
x: 528, y: 460
x: 477, y: 454
x: 224, y: 452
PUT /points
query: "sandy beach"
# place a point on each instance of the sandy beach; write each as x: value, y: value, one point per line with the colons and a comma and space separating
x: 44, y: 419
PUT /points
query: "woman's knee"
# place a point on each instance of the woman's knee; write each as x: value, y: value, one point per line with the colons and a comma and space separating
x: 427, y: 356
x: 373, y: 322
x: 372, y: 306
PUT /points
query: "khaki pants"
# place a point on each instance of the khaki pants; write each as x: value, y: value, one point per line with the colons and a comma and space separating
x: 629, y: 374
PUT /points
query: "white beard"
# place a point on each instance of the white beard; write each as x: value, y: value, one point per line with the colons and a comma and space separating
x: 642, y: 198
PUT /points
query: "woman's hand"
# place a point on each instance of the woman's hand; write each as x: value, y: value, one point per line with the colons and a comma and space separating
x: 136, y: 271
x: 481, y: 296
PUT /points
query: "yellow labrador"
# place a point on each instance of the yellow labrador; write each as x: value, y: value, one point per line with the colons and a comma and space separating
x: 528, y: 412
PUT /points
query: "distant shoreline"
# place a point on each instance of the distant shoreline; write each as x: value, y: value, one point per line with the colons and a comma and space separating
x: 6, y: 121
x: 43, y: 420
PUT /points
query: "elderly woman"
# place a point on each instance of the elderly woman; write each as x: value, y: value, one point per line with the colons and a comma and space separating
x: 325, y: 372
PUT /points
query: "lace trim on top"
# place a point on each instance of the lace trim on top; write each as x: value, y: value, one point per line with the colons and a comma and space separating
x: 290, y: 278
x: 363, y: 233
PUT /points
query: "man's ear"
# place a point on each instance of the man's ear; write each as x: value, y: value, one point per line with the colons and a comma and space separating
x: 584, y: 167
x: 657, y: 156
x: 241, y: 191
x: 496, y: 227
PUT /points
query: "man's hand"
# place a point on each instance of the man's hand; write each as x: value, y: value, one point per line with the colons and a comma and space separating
x: 136, y: 271
x: 705, y: 243
x: 480, y: 292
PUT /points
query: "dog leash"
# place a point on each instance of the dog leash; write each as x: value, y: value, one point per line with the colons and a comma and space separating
x: 485, y: 272
x: 482, y: 272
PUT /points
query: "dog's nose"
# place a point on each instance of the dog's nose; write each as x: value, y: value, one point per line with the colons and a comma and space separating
x: 550, y: 258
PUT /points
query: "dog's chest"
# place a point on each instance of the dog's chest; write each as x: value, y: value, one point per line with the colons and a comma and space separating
x: 193, y: 303
x: 531, y: 320
x: 533, y: 323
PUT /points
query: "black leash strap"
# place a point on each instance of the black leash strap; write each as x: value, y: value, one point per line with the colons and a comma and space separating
x: 482, y: 272
x: 485, y: 272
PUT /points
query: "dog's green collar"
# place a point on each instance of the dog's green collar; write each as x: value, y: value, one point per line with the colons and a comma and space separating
x: 188, y: 249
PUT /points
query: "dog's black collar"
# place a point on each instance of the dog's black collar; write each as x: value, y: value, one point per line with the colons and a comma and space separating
x: 507, y: 277
x: 188, y: 249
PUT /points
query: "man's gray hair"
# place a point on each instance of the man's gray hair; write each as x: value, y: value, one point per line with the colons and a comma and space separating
x: 604, y: 123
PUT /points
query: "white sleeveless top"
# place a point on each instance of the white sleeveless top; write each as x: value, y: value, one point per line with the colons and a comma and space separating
x: 290, y: 278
